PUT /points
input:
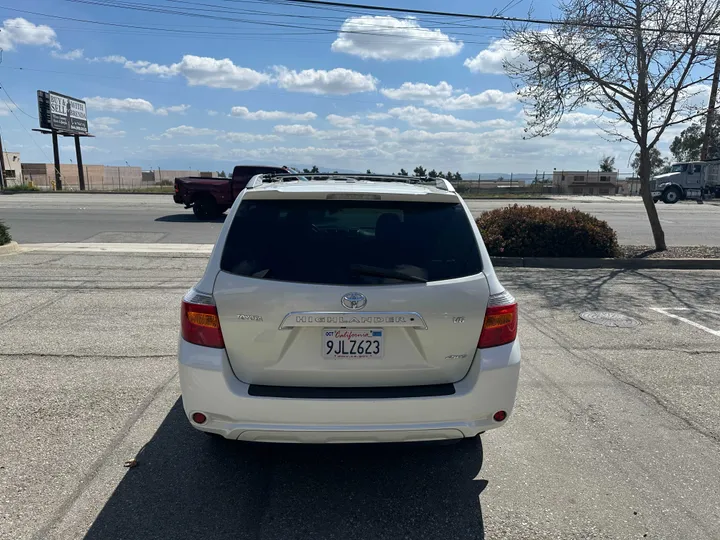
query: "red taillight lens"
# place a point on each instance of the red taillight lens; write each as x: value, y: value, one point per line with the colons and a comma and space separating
x: 200, y: 323
x: 500, y: 325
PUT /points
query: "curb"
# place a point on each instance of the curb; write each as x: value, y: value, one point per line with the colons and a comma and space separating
x: 584, y: 263
x: 86, y: 192
x: 12, y: 247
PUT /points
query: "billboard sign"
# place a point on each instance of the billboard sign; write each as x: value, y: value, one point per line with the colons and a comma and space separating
x: 44, y: 109
x: 66, y: 113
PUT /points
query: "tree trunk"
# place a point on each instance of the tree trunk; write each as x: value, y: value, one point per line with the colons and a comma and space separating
x: 655, y: 226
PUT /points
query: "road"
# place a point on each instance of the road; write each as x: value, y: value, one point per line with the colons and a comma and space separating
x: 37, y: 218
x: 616, y: 433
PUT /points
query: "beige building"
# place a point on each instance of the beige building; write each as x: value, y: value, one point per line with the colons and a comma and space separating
x: 13, y: 168
x: 586, y: 182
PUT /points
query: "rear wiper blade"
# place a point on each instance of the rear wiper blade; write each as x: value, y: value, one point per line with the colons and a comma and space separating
x: 386, y: 272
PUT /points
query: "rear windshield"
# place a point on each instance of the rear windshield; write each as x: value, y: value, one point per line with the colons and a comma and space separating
x: 338, y: 242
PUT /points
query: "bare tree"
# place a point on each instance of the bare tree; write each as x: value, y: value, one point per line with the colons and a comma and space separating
x: 643, y: 62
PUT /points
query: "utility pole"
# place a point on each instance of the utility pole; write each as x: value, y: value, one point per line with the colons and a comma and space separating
x: 710, y: 120
x: 2, y: 167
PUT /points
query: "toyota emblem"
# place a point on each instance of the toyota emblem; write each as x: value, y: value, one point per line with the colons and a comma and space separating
x: 354, y: 300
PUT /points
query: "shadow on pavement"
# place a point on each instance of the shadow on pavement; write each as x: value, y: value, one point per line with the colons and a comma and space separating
x: 189, y: 217
x: 188, y: 485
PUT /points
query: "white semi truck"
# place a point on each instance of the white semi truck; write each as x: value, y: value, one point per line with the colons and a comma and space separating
x: 689, y: 180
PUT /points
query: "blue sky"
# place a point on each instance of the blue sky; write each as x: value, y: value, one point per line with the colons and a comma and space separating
x: 202, y: 93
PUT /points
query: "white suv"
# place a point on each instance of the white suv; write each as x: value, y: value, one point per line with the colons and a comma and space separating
x: 348, y: 309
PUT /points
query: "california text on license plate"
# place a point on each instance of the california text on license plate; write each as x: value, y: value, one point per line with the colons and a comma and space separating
x: 352, y: 343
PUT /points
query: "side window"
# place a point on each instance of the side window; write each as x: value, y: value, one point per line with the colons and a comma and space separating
x: 698, y: 168
x: 243, y: 176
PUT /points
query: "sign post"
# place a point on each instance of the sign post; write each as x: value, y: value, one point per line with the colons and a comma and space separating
x: 67, y: 116
x: 78, y: 155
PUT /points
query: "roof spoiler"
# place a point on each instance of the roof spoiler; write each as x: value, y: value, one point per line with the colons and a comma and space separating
x: 259, y: 179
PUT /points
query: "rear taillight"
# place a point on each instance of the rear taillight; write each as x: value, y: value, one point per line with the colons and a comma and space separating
x: 200, y: 323
x: 500, y: 325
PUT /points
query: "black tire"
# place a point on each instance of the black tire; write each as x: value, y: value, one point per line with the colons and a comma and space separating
x: 656, y: 199
x: 205, y: 208
x: 671, y: 195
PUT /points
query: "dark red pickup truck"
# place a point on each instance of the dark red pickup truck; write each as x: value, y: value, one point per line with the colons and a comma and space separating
x: 210, y: 197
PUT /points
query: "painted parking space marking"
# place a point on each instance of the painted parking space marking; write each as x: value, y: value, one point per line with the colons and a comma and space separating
x: 666, y: 312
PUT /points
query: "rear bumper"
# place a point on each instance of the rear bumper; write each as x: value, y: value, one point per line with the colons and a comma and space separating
x: 209, y: 386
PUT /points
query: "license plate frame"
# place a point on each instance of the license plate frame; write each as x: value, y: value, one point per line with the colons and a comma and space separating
x: 343, y: 348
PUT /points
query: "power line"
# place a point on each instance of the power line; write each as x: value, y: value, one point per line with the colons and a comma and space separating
x: 25, y: 128
x: 500, y: 18
x: 16, y: 105
x: 310, y: 30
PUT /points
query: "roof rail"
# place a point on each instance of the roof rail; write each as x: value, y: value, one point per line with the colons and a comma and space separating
x: 259, y: 179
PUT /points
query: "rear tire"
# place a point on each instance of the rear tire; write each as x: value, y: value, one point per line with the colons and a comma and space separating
x: 205, y: 209
x: 671, y: 195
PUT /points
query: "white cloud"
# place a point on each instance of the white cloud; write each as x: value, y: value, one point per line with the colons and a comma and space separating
x: 188, y: 131
x: 118, y: 105
x: 102, y: 127
x: 75, y: 54
x: 197, y: 70
x: 338, y: 81
x: 492, y: 59
x: 103, y: 130
x: 342, y: 121
x: 417, y: 116
x: 20, y: 31
x: 378, y: 116
x: 238, y: 137
x: 496, y: 99
x: 247, y: 114
x: 295, y: 129
x: 419, y: 91
x: 212, y: 113
x: 112, y: 59
x: 85, y: 148
x: 147, y: 68
x: 217, y: 73
x: 191, y: 131
x: 163, y: 111
x: 106, y: 120
x: 388, y: 38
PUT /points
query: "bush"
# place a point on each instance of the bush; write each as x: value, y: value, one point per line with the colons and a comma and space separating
x: 4, y: 234
x: 22, y: 187
x: 536, y: 231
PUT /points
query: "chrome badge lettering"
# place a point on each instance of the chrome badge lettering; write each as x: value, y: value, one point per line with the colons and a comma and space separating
x: 253, y: 318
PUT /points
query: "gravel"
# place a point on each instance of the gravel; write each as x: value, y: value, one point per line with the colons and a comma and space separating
x: 673, y: 252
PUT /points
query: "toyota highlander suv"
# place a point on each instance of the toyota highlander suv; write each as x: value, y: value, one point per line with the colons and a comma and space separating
x: 348, y: 309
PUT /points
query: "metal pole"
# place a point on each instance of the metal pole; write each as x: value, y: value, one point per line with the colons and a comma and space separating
x: 709, y: 121
x: 3, y: 184
x: 78, y: 155
x: 56, y: 155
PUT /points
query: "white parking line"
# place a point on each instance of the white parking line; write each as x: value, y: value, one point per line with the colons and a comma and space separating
x: 664, y: 311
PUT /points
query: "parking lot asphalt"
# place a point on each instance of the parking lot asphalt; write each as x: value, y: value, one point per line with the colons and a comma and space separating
x: 616, y: 433
x: 63, y: 217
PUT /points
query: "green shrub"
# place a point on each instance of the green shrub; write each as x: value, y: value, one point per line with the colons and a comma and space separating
x: 537, y: 231
x: 4, y: 234
x: 22, y: 187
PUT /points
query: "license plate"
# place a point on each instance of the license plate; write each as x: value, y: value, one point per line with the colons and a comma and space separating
x: 352, y: 343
